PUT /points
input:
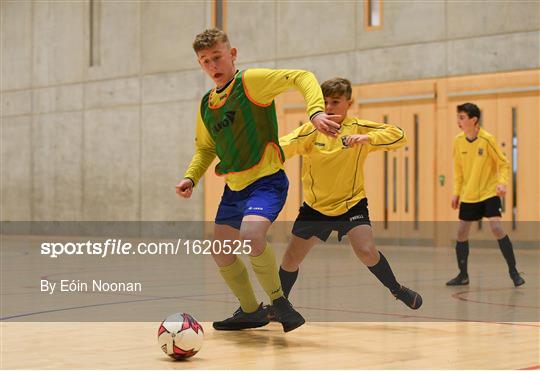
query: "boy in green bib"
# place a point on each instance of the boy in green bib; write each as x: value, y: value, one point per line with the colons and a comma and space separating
x: 237, y: 122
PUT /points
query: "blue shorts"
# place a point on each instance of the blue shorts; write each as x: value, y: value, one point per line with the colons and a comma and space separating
x: 264, y: 197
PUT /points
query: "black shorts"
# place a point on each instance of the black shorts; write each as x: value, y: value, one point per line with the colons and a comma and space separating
x: 477, y: 210
x: 310, y: 222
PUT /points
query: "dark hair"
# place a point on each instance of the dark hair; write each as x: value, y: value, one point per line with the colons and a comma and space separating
x: 337, y: 86
x: 470, y: 109
x: 209, y: 38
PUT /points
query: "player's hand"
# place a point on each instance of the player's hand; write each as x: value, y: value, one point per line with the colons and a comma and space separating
x: 501, y: 190
x: 184, y: 188
x: 352, y: 140
x: 325, y: 124
x: 455, y: 202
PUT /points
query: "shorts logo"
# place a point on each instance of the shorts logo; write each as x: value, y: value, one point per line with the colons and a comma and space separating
x: 356, y: 217
x: 319, y: 144
x: 255, y: 208
x: 480, y: 151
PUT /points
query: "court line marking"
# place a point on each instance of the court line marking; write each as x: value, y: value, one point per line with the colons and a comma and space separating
x: 156, y: 298
x: 194, y: 298
x: 390, y: 314
x: 458, y: 296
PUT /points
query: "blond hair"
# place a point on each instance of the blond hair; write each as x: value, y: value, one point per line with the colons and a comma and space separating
x: 208, y: 38
x: 337, y: 86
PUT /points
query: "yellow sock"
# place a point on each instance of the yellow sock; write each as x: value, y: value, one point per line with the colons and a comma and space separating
x: 265, y: 269
x: 236, y: 277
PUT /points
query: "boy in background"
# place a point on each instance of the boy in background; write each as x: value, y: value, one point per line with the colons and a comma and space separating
x: 480, y: 177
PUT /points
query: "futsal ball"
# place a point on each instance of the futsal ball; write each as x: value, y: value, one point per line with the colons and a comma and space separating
x: 180, y: 336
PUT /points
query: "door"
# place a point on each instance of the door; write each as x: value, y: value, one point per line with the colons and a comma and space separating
x: 400, y: 183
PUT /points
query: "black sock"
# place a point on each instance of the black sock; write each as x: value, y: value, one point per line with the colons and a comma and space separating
x: 384, y: 273
x: 462, y: 254
x: 287, y: 280
x: 508, y: 252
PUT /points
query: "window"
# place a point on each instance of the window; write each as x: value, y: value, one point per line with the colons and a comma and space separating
x: 219, y: 14
x: 373, y: 14
x: 94, y: 29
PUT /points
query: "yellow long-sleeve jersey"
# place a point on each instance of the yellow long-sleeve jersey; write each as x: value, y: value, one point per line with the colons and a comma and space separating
x: 332, y: 174
x: 261, y: 86
x: 479, y: 165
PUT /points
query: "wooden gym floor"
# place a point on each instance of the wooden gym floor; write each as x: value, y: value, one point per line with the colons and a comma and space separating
x: 353, y: 322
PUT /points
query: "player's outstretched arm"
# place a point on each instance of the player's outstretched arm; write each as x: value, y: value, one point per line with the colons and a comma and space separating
x: 263, y: 85
x: 325, y: 123
x: 185, y: 188
x: 458, y: 171
x: 355, y: 139
x: 205, y: 152
x: 383, y: 137
x: 503, y: 166
x: 455, y: 202
x: 501, y: 190
x: 299, y: 141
